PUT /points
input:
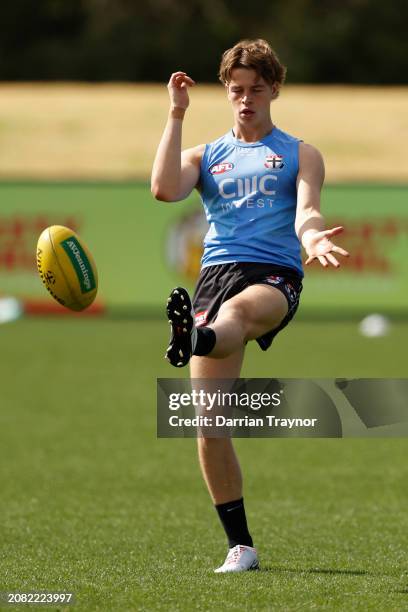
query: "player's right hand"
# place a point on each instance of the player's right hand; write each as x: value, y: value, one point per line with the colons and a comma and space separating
x: 178, y: 89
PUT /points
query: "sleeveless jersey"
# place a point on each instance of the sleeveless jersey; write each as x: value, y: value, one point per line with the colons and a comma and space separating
x: 248, y: 190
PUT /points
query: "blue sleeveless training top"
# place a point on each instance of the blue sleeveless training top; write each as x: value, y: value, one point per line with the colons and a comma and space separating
x: 248, y: 190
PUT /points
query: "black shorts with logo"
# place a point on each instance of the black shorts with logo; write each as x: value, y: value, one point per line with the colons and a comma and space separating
x: 219, y: 283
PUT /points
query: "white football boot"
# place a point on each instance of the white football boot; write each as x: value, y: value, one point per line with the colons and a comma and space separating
x: 239, y: 559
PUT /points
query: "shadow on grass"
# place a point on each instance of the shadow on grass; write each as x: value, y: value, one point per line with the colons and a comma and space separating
x: 314, y: 570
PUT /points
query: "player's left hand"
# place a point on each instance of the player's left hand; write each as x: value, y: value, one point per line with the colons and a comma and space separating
x: 321, y: 247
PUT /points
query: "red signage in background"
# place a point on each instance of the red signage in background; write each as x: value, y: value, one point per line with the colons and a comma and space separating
x: 370, y: 244
x: 18, y: 239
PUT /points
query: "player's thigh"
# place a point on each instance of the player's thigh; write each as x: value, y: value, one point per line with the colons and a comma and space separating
x: 259, y: 309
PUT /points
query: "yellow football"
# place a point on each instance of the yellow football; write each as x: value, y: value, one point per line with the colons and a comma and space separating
x: 66, y: 267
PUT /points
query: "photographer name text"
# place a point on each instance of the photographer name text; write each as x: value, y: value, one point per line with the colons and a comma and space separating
x: 268, y: 420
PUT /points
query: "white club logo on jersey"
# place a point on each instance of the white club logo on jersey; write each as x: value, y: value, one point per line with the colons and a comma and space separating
x: 238, y: 188
x: 275, y: 162
x: 221, y: 168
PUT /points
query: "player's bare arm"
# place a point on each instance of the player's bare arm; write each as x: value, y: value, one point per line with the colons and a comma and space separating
x: 309, y: 224
x: 175, y: 173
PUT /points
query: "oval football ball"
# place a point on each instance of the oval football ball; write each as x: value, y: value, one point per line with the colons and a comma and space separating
x: 66, y: 267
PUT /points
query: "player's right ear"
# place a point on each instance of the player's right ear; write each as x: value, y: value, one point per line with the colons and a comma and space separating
x: 275, y: 90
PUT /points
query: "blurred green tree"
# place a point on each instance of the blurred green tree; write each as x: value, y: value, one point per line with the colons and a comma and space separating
x: 348, y: 41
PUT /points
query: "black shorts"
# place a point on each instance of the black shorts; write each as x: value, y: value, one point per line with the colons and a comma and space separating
x: 219, y: 283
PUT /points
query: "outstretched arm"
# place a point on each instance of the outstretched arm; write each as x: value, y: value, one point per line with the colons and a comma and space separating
x: 309, y: 224
x: 176, y: 173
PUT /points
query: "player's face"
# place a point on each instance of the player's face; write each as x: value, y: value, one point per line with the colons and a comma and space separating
x: 250, y: 96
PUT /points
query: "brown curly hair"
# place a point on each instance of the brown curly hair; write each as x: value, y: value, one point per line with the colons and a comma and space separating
x: 256, y: 55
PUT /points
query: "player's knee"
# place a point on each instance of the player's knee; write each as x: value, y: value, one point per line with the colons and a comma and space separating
x: 238, y: 311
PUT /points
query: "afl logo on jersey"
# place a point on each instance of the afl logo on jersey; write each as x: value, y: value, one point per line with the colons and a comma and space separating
x: 274, y: 162
x: 221, y: 168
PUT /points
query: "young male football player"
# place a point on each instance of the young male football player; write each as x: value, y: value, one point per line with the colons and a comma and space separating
x: 260, y: 189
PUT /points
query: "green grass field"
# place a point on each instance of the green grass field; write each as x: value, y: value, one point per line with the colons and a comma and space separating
x: 92, y: 502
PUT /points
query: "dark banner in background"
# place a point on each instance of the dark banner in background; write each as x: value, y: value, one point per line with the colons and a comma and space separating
x: 276, y: 408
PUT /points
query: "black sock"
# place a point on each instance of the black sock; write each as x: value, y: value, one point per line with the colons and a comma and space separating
x: 233, y: 519
x: 206, y: 339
